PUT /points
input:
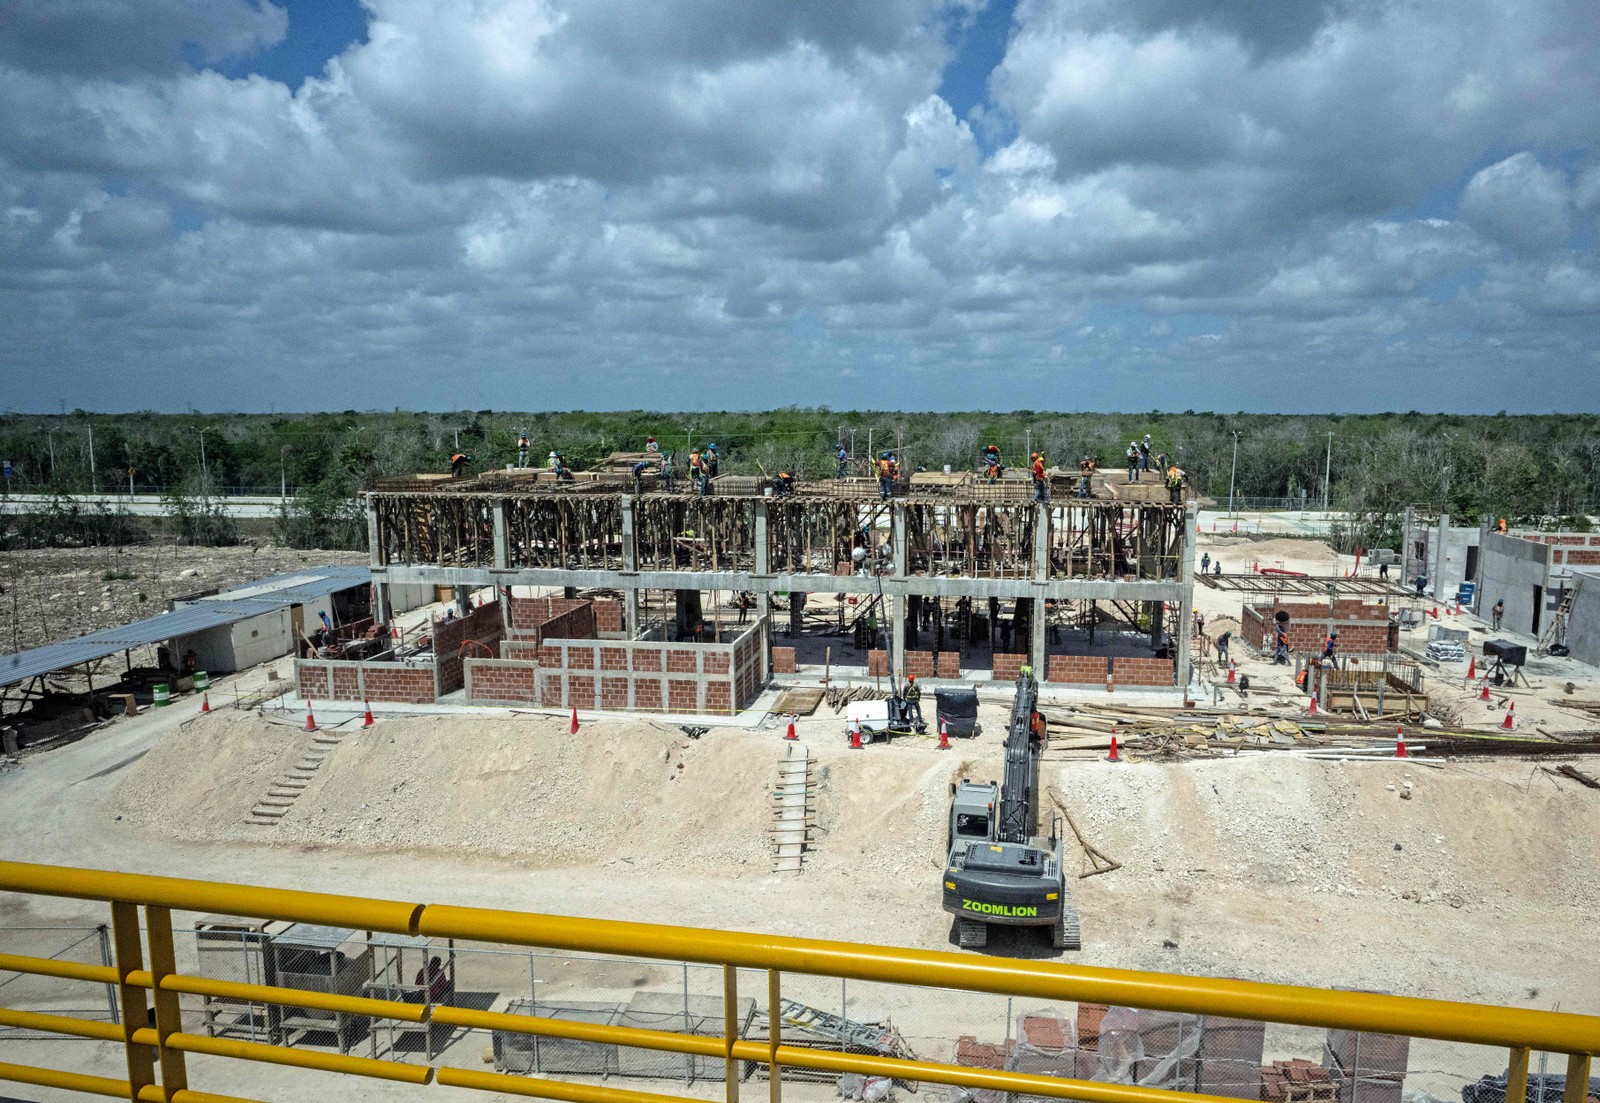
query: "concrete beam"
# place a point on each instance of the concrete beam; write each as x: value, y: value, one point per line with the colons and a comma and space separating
x: 1075, y: 589
x: 1183, y: 632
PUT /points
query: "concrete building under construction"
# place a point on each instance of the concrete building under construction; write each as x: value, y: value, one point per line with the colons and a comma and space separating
x: 686, y: 602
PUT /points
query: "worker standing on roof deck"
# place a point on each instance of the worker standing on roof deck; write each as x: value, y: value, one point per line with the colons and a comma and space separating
x: 990, y: 458
x: 458, y: 465
x: 1133, y: 462
x: 1499, y: 613
x: 1085, y: 475
x: 1383, y: 572
x: 1422, y: 583
x: 1502, y: 526
x: 913, y: 699
x: 784, y: 485
x: 1041, y: 485
x: 711, y: 460
x: 697, y: 464
x: 842, y: 458
x: 668, y: 476
x: 1175, y: 484
x: 1144, y: 453
x: 552, y: 461
x: 885, y: 477
x: 522, y: 450
x: 1330, y: 650
x: 650, y: 445
x: 563, y: 473
x: 638, y: 474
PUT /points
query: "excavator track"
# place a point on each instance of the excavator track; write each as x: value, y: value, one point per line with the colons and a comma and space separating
x: 1065, y: 934
x: 972, y: 935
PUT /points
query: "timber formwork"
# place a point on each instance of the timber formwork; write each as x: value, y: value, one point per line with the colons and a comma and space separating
x: 956, y: 545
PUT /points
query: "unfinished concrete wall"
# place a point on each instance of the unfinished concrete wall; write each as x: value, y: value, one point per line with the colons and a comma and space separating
x: 1451, y: 547
x: 1513, y: 570
x: 1583, y: 622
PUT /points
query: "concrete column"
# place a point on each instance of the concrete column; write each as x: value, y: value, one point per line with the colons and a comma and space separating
x: 1183, y: 631
x: 380, y: 599
x: 895, y: 609
x: 1037, y: 652
x: 502, y: 539
x: 630, y: 611
x: 897, y: 526
x: 1440, y: 551
x: 630, y: 566
x: 763, y: 544
x: 375, y: 554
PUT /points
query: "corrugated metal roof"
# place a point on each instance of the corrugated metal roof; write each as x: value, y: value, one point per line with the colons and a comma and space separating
x: 279, y: 592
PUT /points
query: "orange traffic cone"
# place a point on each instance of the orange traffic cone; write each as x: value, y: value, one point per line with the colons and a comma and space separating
x: 311, y: 723
x: 205, y: 702
x: 1484, y: 696
x: 1113, y: 757
x: 944, y: 735
x: 855, y: 735
x: 1472, y: 668
x: 574, y: 728
x: 790, y: 733
x: 1312, y: 709
x: 367, y: 721
x: 1511, y: 717
x: 1434, y: 612
x: 1400, y: 743
x: 1231, y: 669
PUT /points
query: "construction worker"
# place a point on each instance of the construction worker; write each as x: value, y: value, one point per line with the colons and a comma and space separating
x: 1502, y: 526
x: 990, y: 458
x: 1330, y: 650
x: 650, y: 445
x: 639, y: 470
x: 992, y: 469
x: 1422, y: 583
x: 1280, y: 650
x: 1085, y: 476
x: 522, y: 450
x: 1175, y: 484
x: 563, y: 472
x: 1222, y: 646
x: 553, y: 461
x: 697, y: 474
x: 1499, y: 612
x: 711, y: 460
x: 458, y: 464
x: 842, y: 458
x: 784, y: 485
x: 668, y: 475
x: 1205, y: 562
x: 1041, y: 485
x: 1144, y: 453
x: 913, y: 699
x: 1133, y: 461
x: 885, y: 477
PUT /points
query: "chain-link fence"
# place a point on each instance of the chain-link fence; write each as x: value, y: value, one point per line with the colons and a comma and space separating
x: 1209, y: 1054
x: 51, y: 995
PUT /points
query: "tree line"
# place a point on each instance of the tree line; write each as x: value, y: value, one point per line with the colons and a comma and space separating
x: 1532, y: 470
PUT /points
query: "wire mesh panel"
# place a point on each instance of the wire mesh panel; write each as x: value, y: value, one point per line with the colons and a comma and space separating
x: 54, y: 995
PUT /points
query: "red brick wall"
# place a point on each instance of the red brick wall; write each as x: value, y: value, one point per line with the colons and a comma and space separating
x: 877, y: 663
x: 948, y: 664
x: 731, y: 674
x: 528, y: 613
x: 783, y: 660
x: 499, y: 681
x: 924, y: 664
x: 608, y: 616
x: 341, y: 680
x: 482, y: 625
x: 1142, y: 672
x: 1363, y: 629
x: 746, y: 668
x: 1007, y: 666
x: 1078, y: 670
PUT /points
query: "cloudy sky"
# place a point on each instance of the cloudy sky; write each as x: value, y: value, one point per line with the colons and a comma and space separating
x: 914, y: 204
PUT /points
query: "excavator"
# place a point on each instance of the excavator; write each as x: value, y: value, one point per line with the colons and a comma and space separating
x: 1000, y: 871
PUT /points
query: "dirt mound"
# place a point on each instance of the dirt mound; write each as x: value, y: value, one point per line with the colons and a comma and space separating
x: 634, y: 792
x: 1468, y: 837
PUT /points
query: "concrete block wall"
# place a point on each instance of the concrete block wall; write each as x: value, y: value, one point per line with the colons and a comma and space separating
x: 924, y: 664
x: 1147, y: 673
x: 783, y: 660
x: 343, y: 680
x: 1077, y: 670
x: 482, y: 626
x: 501, y: 682
x: 1008, y: 666
x: 1127, y: 672
x: 528, y: 613
x: 651, y: 676
x: 1363, y: 628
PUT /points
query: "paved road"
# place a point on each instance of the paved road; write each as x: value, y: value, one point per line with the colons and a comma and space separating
x: 141, y: 505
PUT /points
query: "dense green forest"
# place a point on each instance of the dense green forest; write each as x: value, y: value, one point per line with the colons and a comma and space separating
x: 1532, y: 470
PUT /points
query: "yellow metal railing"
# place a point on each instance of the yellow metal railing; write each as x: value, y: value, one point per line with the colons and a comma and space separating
x: 156, y: 1067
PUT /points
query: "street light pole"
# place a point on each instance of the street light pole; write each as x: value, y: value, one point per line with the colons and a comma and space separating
x: 50, y: 434
x: 94, y: 482
x: 1233, y: 472
x: 205, y: 473
x: 1327, y: 469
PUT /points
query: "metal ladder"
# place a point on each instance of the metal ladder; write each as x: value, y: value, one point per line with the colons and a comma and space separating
x: 847, y: 1031
x: 1556, y: 634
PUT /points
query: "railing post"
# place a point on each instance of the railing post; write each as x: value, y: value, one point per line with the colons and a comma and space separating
x: 135, y: 1012
x: 1517, y: 1076
x: 730, y: 1029
x: 169, y: 1014
x: 1577, y: 1089
x: 106, y: 960
x: 774, y: 1038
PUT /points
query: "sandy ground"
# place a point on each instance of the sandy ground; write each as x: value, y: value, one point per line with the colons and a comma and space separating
x: 1482, y: 886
